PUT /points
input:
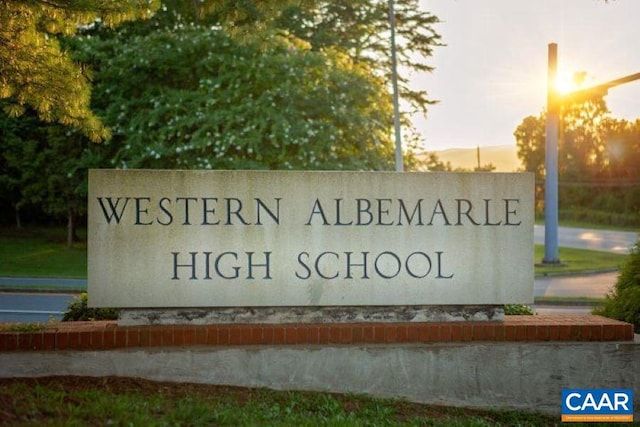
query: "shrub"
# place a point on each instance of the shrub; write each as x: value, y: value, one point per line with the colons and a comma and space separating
x: 623, y: 302
x: 78, y: 310
x: 516, y: 309
x: 23, y: 327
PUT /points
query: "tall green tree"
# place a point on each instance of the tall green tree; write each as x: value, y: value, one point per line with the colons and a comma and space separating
x: 362, y: 29
x: 581, y: 142
x: 65, y: 169
x: 43, y: 167
x: 530, y: 141
x: 35, y: 72
x: 21, y: 179
x: 197, y: 97
x: 583, y: 139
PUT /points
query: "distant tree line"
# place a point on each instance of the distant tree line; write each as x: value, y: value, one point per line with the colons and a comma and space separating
x: 598, y: 158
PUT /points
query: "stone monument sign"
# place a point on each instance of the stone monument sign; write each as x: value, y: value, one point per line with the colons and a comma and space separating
x: 174, y: 238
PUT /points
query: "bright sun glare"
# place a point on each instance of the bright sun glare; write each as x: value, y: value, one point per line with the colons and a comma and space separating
x: 566, y: 83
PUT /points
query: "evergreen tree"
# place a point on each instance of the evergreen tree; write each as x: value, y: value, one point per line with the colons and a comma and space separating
x: 35, y: 72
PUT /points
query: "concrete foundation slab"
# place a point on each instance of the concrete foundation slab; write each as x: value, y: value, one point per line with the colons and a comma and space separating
x: 526, y: 376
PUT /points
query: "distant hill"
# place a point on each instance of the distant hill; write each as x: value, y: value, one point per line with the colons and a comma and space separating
x: 503, y: 157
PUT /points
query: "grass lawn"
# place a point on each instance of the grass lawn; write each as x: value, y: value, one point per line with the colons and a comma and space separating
x: 41, y: 252
x: 577, y: 261
x: 127, y: 401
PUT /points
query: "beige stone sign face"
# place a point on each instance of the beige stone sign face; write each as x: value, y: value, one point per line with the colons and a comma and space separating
x: 264, y: 238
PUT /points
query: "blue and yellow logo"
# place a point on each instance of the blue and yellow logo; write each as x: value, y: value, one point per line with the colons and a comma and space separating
x: 597, y: 405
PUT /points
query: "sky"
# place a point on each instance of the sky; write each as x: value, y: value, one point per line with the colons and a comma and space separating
x: 492, y: 73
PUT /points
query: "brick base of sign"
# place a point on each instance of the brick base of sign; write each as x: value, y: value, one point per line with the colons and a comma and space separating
x: 107, y: 335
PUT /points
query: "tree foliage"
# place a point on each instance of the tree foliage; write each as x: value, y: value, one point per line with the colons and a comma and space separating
x: 530, y: 139
x: 361, y: 28
x: 276, y: 84
x: 432, y: 162
x: 35, y: 72
x: 43, y: 165
x: 197, y: 98
x: 599, y: 180
x: 206, y: 84
x: 21, y: 143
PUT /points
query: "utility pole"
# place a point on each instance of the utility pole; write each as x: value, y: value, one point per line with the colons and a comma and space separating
x: 551, y: 162
x: 394, y: 82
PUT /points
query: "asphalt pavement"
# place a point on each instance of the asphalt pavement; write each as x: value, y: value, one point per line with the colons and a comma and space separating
x: 33, y: 307
x: 620, y: 242
x: 24, y: 299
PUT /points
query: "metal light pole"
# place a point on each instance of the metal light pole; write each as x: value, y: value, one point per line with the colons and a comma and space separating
x: 551, y: 163
x: 394, y: 82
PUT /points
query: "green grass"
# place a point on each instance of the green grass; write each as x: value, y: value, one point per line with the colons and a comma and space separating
x: 23, y: 327
x: 96, y: 401
x: 578, y: 261
x: 41, y: 252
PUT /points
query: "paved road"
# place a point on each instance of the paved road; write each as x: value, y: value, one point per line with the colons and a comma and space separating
x: 599, y: 240
x: 37, y: 306
x: 32, y: 307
